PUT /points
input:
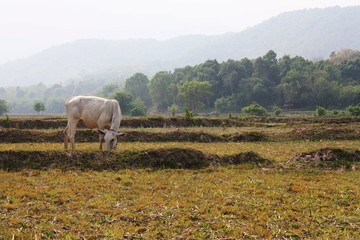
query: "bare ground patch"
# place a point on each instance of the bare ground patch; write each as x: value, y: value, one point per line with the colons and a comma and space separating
x: 27, y: 135
x: 162, y: 158
x: 331, y: 132
x: 326, y: 159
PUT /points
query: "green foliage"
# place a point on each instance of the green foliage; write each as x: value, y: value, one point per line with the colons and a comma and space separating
x: 354, y: 110
x: 320, y: 111
x: 277, y: 110
x: 294, y: 82
x: 124, y: 100
x: 350, y: 70
x: 7, y: 121
x: 194, y: 93
x: 173, y: 109
x: 137, y: 86
x: 225, y: 104
x: 109, y: 90
x: 138, y: 108
x: 4, y: 107
x: 39, y: 107
x: 163, y: 90
x: 255, y: 109
x: 187, y: 114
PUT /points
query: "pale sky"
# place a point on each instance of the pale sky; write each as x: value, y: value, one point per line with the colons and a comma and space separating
x: 30, y: 26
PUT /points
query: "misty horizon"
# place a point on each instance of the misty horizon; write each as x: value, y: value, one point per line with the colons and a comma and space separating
x: 29, y: 28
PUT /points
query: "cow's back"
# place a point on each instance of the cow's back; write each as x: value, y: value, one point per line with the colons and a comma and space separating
x: 87, y: 110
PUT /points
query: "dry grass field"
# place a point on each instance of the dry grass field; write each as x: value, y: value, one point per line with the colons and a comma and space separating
x: 315, y: 195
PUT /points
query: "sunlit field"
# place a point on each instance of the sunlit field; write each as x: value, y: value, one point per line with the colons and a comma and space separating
x: 213, y: 203
x: 243, y: 201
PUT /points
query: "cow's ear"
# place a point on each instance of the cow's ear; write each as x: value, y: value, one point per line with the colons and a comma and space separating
x: 101, y: 131
x: 120, y: 134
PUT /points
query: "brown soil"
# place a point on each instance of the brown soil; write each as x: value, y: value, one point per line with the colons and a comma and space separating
x: 156, y: 122
x: 82, y: 135
x: 330, y: 132
x: 326, y: 159
x: 163, y: 158
x: 246, y: 137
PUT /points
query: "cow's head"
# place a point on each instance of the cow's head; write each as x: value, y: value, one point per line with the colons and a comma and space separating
x: 110, y: 138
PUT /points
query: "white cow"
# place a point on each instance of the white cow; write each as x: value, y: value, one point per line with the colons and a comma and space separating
x: 93, y: 112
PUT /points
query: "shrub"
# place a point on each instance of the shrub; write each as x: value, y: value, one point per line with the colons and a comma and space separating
x: 320, y: 111
x: 225, y: 104
x: 4, y: 107
x: 173, y: 109
x: 138, y: 108
x: 124, y: 100
x: 39, y: 107
x: 277, y: 110
x: 188, y: 114
x: 255, y: 109
x: 354, y: 110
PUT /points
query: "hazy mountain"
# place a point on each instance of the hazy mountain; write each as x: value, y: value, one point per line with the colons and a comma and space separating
x: 312, y: 33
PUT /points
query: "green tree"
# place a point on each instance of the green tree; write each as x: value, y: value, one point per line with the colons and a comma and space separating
x: 187, y: 114
x: 225, y: 104
x: 350, y: 71
x: 245, y: 94
x: 137, y: 86
x: 326, y: 92
x: 277, y: 110
x: 184, y: 74
x: 265, y: 78
x: 163, y: 90
x: 109, y: 90
x: 261, y: 91
x: 267, y: 69
x: 296, y: 87
x: 124, y: 100
x: 138, y: 108
x: 39, y: 107
x: 230, y: 74
x: 349, y: 95
x: 194, y: 93
x: 173, y: 109
x: 209, y: 72
x: 284, y: 65
x: 4, y: 107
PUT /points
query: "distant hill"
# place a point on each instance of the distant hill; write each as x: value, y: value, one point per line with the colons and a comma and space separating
x: 312, y: 33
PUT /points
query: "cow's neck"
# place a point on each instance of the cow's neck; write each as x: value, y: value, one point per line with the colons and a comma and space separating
x: 115, y: 122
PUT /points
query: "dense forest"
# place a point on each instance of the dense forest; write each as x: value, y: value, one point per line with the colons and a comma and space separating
x: 288, y: 82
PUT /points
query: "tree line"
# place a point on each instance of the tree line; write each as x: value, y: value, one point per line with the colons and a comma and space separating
x: 286, y: 82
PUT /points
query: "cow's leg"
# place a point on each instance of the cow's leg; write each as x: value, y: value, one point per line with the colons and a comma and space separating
x: 101, y: 139
x: 66, y: 137
x: 71, y: 133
